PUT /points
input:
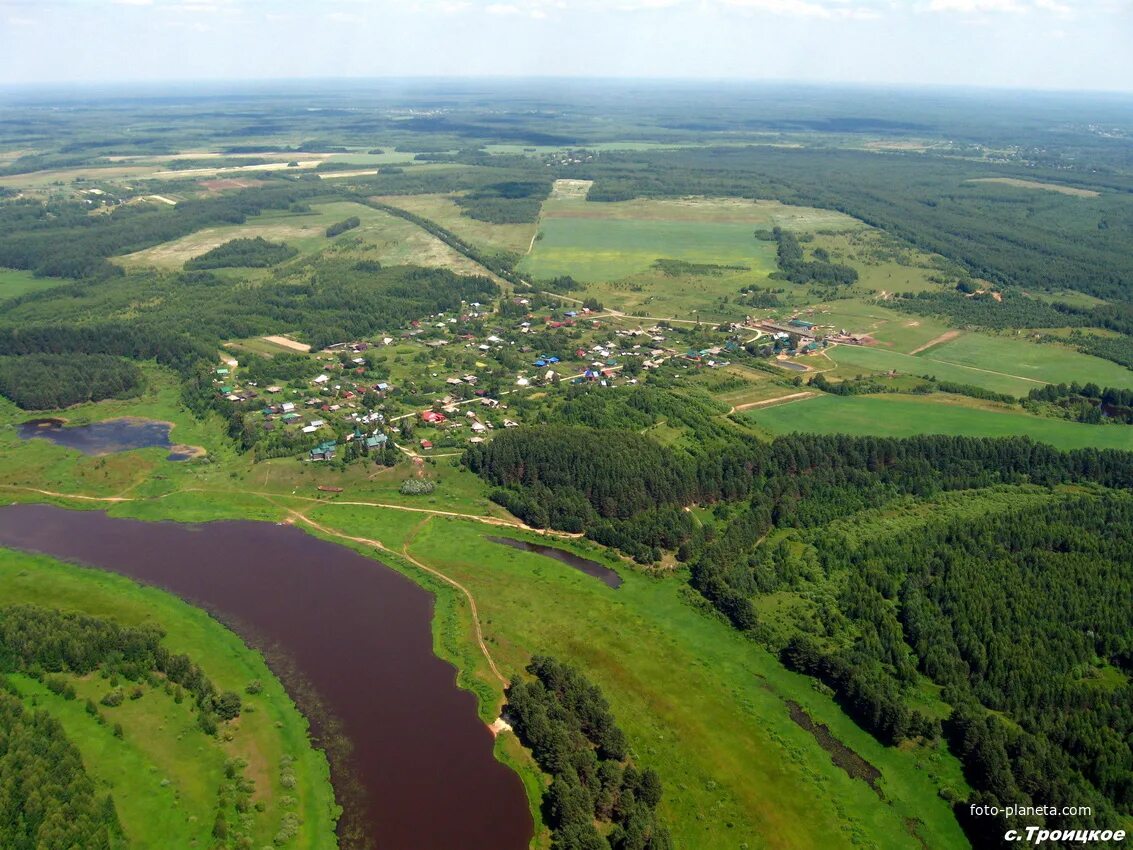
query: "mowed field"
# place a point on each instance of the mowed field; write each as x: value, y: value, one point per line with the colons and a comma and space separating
x: 164, y: 773
x: 854, y: 360
x: 1044, y: 362
x: 699, y: 703
x: 608, y: 241
x: 380, y: 236
x: 904, y: 416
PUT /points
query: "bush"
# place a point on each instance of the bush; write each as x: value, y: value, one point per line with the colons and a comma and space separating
x: 416, y: 487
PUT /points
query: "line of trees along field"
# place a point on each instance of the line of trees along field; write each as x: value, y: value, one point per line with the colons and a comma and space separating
x: 567, y: 724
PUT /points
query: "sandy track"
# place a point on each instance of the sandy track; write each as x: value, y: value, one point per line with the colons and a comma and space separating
x: 947, y: 336
x: 288, y: 343
x: 768, y: 402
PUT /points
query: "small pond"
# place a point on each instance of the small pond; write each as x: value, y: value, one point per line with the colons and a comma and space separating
x: 107, y: 437
x: 591, y: 568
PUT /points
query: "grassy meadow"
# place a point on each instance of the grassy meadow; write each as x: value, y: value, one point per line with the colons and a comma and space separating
x: 607, y: 241
x: 163, y: 772
x: 1045, y: 362
x: 905, y: 416
x: 854, y: 360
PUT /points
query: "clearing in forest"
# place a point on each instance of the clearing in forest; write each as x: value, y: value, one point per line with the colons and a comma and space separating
x: 1035, y: 184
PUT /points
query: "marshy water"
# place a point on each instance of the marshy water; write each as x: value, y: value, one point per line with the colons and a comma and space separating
x: 591, y: 568
x: 107, y: 437
x: 351, y: 638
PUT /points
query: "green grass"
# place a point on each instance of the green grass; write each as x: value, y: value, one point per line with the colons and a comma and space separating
x: 602, y: 242
x: 164, y: 774
x: 853, y: 360
x: 14, y: 282
x: 904, y: 416
x: 1017, y: 356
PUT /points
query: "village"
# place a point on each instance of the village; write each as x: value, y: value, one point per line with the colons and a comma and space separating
x: 452, y: 379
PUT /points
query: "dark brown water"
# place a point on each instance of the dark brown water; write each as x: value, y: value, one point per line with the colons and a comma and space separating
x: 420, y: 774
x: 591, y: 568
x: 100, y: 438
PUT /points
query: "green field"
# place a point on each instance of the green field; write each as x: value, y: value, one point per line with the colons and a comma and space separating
x: 1017, y: 356
x: 14, y: 282
x: 853, y: 360
x: 163, y: 773
x: 700, y: 704
x: 607, y: 241
x: 902, y: 416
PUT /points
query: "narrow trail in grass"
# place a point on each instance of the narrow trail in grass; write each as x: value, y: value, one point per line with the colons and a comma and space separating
x: 768, y: 402
x: 404, y: 553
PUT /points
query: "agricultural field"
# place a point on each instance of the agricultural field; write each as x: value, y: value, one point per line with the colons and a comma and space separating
x: 854, y: 360
x: 595, y: 242
x: 1052, y: 363
x: 163, y: 773
x: 903, y: 416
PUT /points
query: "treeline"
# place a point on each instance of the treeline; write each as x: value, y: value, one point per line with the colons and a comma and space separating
x: 1085, y: 402
x: 624, y: 490
x: 343, y: 226
x: 567, y: 724
x: 52, y: 381
x: 256, y: 253
x: 59, y: 238
x: 47, y: 799
x: 507, y: 202
x: 794, y: 266
x: 872, y: 385
x: 40, y: 640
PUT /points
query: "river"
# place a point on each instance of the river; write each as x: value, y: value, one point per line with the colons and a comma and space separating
x: 352, y: 640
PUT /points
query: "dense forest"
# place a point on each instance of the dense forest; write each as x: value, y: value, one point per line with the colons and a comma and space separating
x: 1023, y: 618
x: 52, y: 381
x: 509, y: 202
x: 567, y: 724
x: 256, y: 252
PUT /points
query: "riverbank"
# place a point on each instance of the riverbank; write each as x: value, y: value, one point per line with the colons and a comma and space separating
x: 163, y: 773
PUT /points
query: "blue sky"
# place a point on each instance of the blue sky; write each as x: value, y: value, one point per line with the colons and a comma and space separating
x: 1048, y: 44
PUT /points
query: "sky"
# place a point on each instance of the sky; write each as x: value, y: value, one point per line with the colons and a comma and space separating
x: 1031, y: 44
